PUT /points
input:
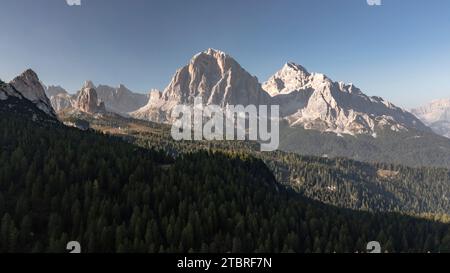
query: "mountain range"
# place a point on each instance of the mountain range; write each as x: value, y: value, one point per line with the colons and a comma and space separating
x: 307, y: 100
x: 321, y: 117
x: 118, y: 100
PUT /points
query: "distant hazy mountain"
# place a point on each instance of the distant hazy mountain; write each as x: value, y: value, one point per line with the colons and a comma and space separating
x: 120, y: 99
x: 53, y: 90
x: 59, y: 98
x: 436, y: 115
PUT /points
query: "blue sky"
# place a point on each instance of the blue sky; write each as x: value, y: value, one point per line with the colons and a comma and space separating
x: 400, y: 50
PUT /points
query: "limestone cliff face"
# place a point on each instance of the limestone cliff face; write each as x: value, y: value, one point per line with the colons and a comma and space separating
x: 120, y: 99
x: 212, y: 75
x: 30, y: 87
x: 291, y: 77
x: 314, y: 101
x: 60, y: 99
x: 25, y: 96
x: 87, y: 100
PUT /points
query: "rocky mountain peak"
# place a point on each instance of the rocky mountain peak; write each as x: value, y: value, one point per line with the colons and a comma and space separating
x: 217, y: 78
x: 53, y: 90
x: 314, y: 101
x: 120, y: 99
x: 30, y: 76
x: 88, y: 84
x: 295, y: 67
x: 122, y: 87
x: 154, y: 95
x: 212, y: 63
x: 213, y: 53
x: 88, y: 102
x: 30, y: 87
x: 291, y: 77
x: 213, y: 75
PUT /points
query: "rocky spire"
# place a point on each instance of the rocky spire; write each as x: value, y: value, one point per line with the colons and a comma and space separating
x: 30, y: 87
x: 291, y: 77
x: 87, y: 100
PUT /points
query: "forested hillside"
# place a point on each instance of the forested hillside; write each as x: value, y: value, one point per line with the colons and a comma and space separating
x: 337, y: 181
x: 59, y: 184
x: 410, y: 148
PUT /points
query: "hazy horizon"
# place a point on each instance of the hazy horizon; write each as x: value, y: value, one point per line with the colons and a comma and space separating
x: 398, y: 50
